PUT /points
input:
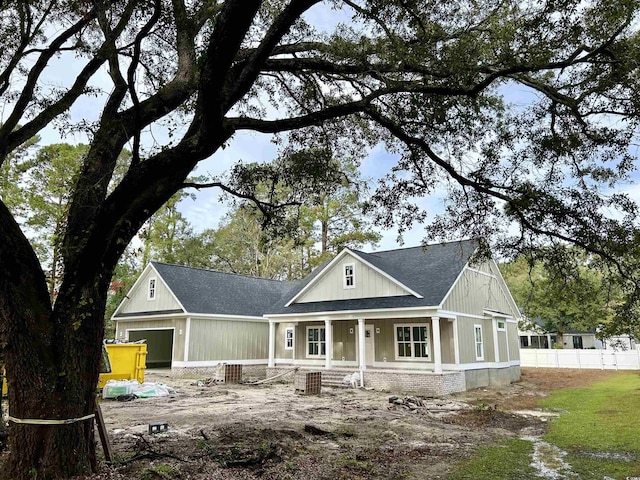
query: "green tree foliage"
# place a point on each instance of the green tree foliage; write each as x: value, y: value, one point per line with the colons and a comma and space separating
x: 321, y: 216
x: 563, y: 295
x: 426, y: 78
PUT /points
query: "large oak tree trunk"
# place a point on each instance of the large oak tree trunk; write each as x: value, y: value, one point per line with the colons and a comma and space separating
x: 59, y: 385
x: 52, y: 355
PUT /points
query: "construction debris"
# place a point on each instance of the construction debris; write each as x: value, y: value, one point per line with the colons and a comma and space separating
x: 429, y: 406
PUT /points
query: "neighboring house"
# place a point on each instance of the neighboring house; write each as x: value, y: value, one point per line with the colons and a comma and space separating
x: 533, y: 335
x: 411, y: 319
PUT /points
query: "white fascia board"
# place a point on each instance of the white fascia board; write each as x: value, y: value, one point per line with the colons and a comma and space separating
x: 453, y: 285
x: 327, y: 267
x: 158, y: 277
x: 337, y: 259
x: 495, y: 314
x: 194, y: 316
x: 372, y: 314
x: 505, y: 287
x: 135, y: 285
x: 387, y: 276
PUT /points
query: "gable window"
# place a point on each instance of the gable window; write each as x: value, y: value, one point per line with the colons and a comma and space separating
x: 502, y: 326
x: 477, y: 332
x: 316, y: 346
x: 288, y: 338
x: 412, y: 341
x: 151, y: 293
x: 349, y: 279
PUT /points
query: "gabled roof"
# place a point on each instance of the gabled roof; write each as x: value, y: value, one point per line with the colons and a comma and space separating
x: 429, y: 271
x: 211, y: 292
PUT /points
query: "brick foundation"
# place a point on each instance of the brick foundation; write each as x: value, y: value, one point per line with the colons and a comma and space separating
x: 248, y: 373
x: 423, y: 383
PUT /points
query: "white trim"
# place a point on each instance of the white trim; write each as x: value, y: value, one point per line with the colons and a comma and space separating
x: 505, y: 288
x: 371, y: 314
x: 328, y: 343
x: 153, y: 289
x: 451, y: 314
x: 196, y: 316
x: 496, y: 343
x: 271, y: 347
x: 496, y: 314
x: 412, y: 342
x: 479, y: 272
x: 316, y: 363
x: 293, y: 337
x: 481, y: 365
x: 498, y: 327
x: 344, y: 275
x: 136, y: 284
x: 477, y: 326
x: 319, y: 342
x: 456, y: 342
x: 215, y: 363
x: 453, y: 285
x: 187, y: 337
x: 337, y: 259
x: 173, y: 338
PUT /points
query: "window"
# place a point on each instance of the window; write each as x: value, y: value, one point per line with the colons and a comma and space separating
x: 502, y: 326
x: 151, y: 294
x: 316, y: 346
x: 349, y: 280
x: 524, y: 341
x: 288, y: 338
x: 577, y: 342
x: 412, y: 342
x: 478, y: 340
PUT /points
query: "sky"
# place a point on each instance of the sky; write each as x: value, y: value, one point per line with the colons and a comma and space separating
x: 206, y: 210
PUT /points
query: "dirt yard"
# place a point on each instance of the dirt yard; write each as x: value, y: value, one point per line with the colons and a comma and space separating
x: 269, y: 432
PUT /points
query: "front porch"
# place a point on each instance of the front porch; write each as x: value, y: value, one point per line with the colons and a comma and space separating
x: 425, y: 343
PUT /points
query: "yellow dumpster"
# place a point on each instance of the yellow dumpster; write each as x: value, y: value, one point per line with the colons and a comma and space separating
x: 128, y: 362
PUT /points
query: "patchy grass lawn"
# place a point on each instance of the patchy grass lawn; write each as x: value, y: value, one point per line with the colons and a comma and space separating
x: 598, y: 432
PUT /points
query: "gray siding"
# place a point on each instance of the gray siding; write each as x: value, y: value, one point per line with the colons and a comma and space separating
x: 212, y: 339
x: 368, y: 284
x: 466, y: 339
x: 177, y: 324
x: 475, y: 292
x: 514, y: 341
x: 138, y: 302
x: 281, y: 352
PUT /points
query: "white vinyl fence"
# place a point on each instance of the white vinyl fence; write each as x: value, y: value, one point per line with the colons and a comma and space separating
x: 602, y: 359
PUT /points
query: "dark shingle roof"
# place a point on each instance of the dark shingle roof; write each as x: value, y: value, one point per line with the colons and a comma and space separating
x: 212, y: 292
x: 429, y: 271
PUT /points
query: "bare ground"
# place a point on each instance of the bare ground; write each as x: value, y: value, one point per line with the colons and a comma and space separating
x: 269, y: 432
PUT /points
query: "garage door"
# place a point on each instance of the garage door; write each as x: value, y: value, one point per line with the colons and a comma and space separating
x: 159, y: 346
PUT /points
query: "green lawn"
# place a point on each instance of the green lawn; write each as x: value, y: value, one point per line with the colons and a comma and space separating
x: 599, y: 423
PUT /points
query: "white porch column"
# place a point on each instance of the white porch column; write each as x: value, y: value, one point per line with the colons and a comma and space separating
x: 456, y: 342
x: 437, y: 350
x: 272, y: 344
x: 328, y: 345
x: 187, y: 336
x: 496, y: 341
x: 361, y: 360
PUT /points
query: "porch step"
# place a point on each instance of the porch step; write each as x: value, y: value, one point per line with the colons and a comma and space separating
x: 334, y: 378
